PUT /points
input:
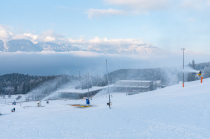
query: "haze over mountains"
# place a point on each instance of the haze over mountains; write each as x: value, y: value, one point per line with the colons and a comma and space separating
x: 28, y: 46
x: 55, y: 58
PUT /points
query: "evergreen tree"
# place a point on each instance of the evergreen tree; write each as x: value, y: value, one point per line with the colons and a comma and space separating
x: 15, y: 89
x: 206, y: 72
x: 24, y: 88
x: 193, y: 64
x: 28, y: 89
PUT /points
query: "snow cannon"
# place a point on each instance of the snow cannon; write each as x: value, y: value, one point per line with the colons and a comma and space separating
x: 87, y: 101
x: 109, y: 104
x: 199, y: 73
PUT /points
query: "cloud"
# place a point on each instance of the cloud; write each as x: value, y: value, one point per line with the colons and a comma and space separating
x: 21, y: 36
x: 34, y: 37
x: 135, y: 7
x: 49, y: 39
x: 105, y: 45
x: 108, y: 43
x: 45, y: 36
x: 195, y: 4
x: 76, y: 40
x: 102, y: 12
x: 97, y: 40
x: 105, y: 40
x: 5, y: 33
x: 142, y: 5
x: 50, y: 36
x: 61, y: 7
x: 138, y: 6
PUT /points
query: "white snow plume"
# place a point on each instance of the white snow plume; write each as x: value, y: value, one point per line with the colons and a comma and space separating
x: 54, y: 94
x: 47, y: 88
x: 101, y: 93
x: 104, y: 92
x: 190, y: 69
x: 173, y: 75
x: 170, y: 75
x: 64, y: 88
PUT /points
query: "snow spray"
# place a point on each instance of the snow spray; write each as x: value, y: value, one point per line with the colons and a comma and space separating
x: 102, y: 93
x: 64, y: 88
x: 46, y: 89
x: 190, y: 69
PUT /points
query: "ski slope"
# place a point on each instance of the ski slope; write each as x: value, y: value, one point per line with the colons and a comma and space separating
x: 173, y: 112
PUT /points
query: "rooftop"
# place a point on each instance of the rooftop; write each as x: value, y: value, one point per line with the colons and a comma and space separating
x: 133, y: 81
x: 73, y: 90
x: 137, y: 86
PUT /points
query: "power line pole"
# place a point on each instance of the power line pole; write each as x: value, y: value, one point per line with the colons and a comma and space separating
x: 183, y: 65
x: 108, y: 86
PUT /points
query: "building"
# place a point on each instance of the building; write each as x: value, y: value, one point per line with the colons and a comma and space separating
x: 80, y: 93
x: 133, y: 86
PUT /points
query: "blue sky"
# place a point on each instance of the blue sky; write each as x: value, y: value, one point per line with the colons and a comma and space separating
x: 168, y: 24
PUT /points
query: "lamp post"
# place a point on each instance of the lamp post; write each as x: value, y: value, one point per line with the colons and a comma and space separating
x: 108, y: 86
x: 183, y: 65
x: 88, y: 95
x: 88, y: 87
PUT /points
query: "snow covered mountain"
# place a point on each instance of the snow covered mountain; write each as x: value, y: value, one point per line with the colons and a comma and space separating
x: 139, y: 50
x: 144, y: 50
x: 22, y: 45
x: 131, y: 50
x: 28, y: 46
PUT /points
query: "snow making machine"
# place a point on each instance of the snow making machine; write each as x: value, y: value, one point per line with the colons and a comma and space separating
x: 199, y: 73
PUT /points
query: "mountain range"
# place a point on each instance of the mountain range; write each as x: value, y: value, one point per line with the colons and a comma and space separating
x: 28, y: 46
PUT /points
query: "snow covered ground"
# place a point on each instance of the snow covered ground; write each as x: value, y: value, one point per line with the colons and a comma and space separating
x: 172, y: 112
